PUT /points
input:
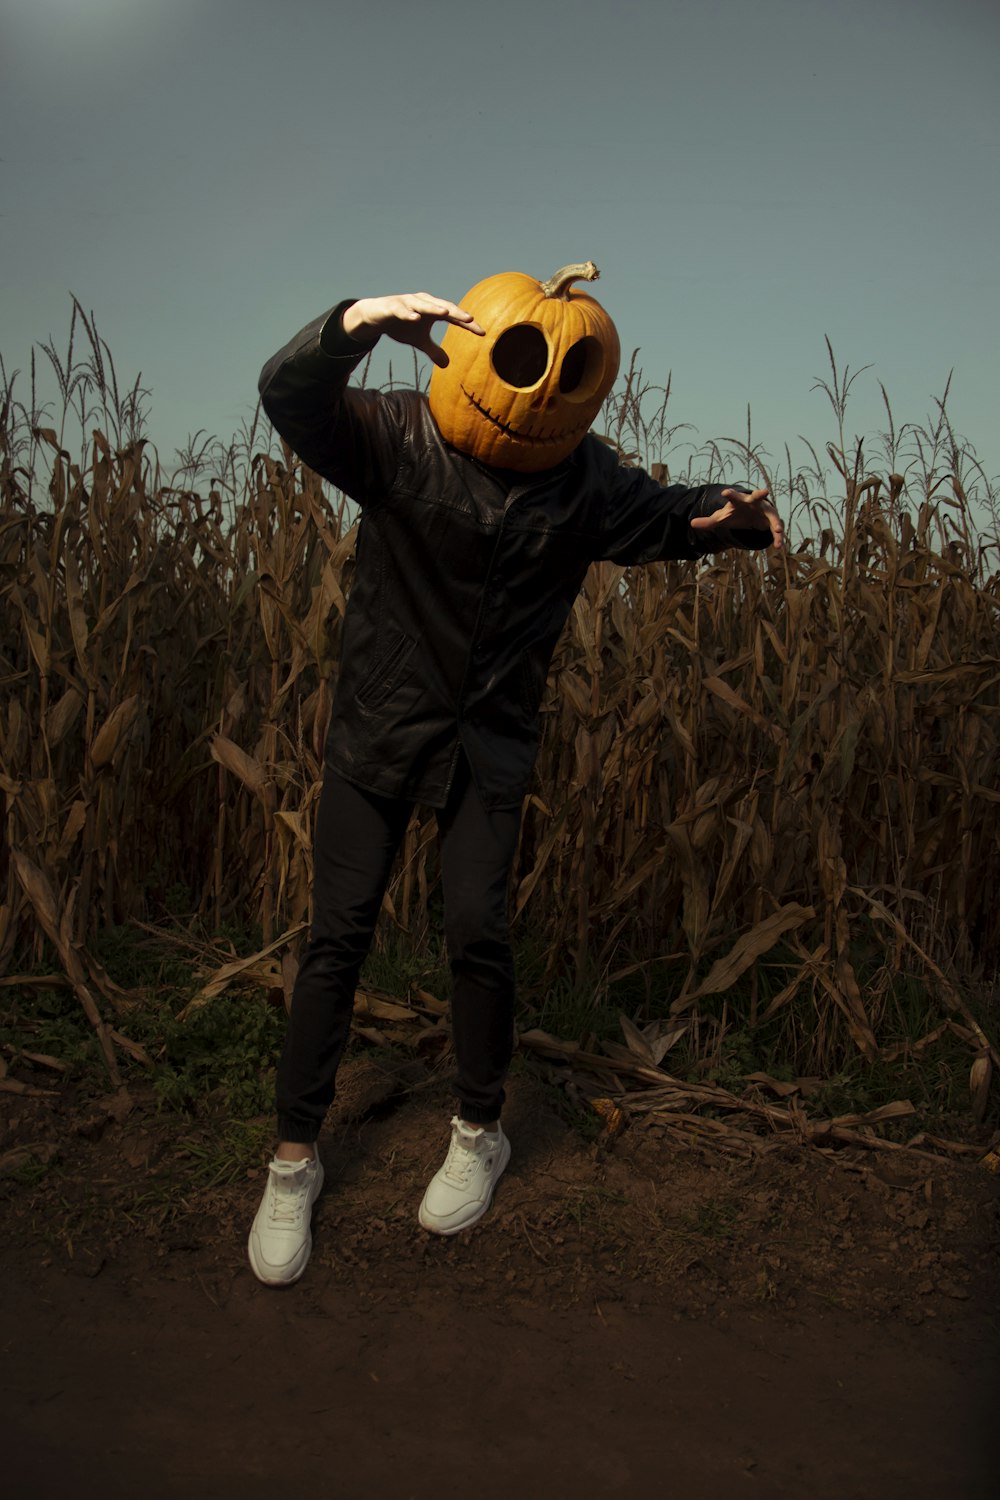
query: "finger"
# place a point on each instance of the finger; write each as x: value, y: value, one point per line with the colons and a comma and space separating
x: 449, y: 312
x: 434, y: 353
x: 774, y: 523
x: 750, y: 499
x: 702, y: 523
x: 765, y: 518
x: 755, y: 509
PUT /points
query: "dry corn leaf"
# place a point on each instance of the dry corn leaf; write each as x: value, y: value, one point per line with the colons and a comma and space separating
x: 662, y: 1035
x: 135, y: 1050
x: 636, y: 1041
x: 544, y: 1041
x: 545, y: 853
x: 697, y: 902
x: 241, y: 967
x: 384, y: 1010
x: 776, y: 1085
x: 44, y: 1060
x: 980, y: 1077
x: 431, y: 1002
x: 77, y: 616
x: 38, y: 640
x: 28, y: 1090
x: 296, y: 822
x: 114, y: 732
x: 62, y: 716
x: 893, y: 1111
x: 248, y: 769
x: 860, y: 1031
x: 76, y: 820
x: 729, y: 696
x: 747, y: 949
x: 289, y: 974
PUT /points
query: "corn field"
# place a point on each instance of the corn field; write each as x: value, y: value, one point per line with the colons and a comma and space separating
x: 760, y: 756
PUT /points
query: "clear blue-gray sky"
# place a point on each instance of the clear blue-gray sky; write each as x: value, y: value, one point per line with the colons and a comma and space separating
x: 206, y: 177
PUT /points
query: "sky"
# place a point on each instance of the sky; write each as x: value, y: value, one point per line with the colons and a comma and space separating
x: 206, y: 176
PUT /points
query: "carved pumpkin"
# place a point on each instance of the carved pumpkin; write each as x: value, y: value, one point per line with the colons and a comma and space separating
x: 524, y: 396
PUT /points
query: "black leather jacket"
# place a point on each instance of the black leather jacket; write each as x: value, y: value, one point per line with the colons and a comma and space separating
x: 465, y: 574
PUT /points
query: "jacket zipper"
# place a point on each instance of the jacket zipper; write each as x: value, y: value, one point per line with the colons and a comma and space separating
x: 516, y: 493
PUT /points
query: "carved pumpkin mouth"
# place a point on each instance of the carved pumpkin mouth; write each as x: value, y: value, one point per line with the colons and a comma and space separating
x: 544, y: 438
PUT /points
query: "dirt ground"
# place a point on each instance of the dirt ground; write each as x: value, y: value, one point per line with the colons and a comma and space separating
x: 631, y: 1316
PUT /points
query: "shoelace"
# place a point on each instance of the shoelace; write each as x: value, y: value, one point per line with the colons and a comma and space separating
x: 460, y: 1161
x: 286, y: 1204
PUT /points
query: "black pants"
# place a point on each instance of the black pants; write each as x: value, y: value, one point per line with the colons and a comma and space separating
x: 357, y: 836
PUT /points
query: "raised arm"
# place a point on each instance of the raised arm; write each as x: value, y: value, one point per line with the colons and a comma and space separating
x: 351, y: 437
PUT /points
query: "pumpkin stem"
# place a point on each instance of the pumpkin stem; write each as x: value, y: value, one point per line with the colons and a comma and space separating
x: 559, y: 284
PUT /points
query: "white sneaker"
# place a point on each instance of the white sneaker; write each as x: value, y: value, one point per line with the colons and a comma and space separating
x: 460, y: 1192
x: 281, y: 1235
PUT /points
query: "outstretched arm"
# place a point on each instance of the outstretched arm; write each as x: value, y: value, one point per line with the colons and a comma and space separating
x: 644, y: 521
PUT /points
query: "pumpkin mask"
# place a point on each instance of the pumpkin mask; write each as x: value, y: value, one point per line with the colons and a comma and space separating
x: 524, y: 396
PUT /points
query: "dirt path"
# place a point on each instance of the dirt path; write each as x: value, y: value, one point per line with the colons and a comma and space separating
x: 125, y: 1391
x: 638, y: 1320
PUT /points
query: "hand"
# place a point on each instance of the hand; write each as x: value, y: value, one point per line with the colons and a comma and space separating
x: 407, y: 318
x: 755, y: 511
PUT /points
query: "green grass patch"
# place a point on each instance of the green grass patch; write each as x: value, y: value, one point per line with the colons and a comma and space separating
x: 215, y: 1160
x: 221, y: 1057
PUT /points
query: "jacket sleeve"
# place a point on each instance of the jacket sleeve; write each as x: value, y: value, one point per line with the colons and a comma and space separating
x: 648, y: 522
x: 351, y: 437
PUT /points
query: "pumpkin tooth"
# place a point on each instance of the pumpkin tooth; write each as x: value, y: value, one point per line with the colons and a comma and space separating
x: 516, y: 433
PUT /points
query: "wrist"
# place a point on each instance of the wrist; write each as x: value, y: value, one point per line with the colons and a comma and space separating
x: 352, y: 321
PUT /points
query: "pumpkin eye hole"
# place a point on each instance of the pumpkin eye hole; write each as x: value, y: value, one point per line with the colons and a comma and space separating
x: 582, y: 369
x: 520, y: 355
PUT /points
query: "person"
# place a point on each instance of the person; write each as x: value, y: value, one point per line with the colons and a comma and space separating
x: 465, y: 574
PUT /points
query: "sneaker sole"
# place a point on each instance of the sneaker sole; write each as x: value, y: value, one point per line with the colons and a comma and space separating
x: 468, y: 1223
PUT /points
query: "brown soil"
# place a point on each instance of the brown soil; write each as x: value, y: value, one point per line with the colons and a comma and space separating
x: 632, y: 1316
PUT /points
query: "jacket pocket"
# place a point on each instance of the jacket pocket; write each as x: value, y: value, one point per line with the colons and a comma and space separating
x: 386, y: 674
